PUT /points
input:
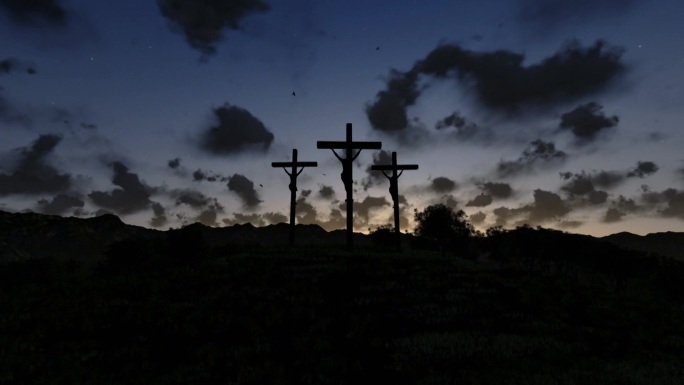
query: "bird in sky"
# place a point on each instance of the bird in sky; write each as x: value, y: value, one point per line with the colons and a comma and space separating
x: 293, y: 94
x: 377, y: 48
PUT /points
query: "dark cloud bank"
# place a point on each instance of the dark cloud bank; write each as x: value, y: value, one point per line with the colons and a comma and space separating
x: 33, y: 12
x: 499, y: 80
x: 130, y: 196
x: 587, y: 121
x: 235, y: 130
x: 244, y: 188
x: 203, y: 22
x: 33, y: 173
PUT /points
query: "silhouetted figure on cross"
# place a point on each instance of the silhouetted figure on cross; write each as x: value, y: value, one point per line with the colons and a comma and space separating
x: 346, y: 174
x: 394, y: 186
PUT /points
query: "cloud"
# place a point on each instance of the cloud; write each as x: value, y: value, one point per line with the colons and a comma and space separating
x: 643, y: 169
x: 442, y: 184
x: 235, y: 130
x: 546, y: 15
x: 499, y: 80
x: 204, y: 21
x: 597, y: 197
x: 583, y: 185
x: 546, y: 206
x: 607, y: 179
x: 207, y: 217
x: 174, y: 163
x: 160, y: 218
x: 35, y: 12
x: 388, y: 112
x: 199, y: 175
x: 326, y: 192
x: 613, y: 215
x: 244, y: 188
x: 381, y: 157
x: 587, y: 121
x: 477, y: 218
x: 59, y: 204
x: 672, y: 199
x: 306, y: 214
x: 274, y: 218
x: 454, y: 120
x: 578, y: 184
x: 497, y: 190
x: 362, y: 209
x: 197, y: 200
x: 481, y: 200
x: 626, y: 204
x: 131, y: 196
x: 537, y: 153
x: 675, y: 204
x: 33, y: 175
x: 503, y: 215
x: 11, y: 64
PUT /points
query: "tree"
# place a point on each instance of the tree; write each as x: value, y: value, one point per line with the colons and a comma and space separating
x: 443, y: 224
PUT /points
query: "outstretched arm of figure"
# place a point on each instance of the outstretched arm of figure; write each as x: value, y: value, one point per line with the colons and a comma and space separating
x: 356, y: 155
x: 300, y: 171
x: 288, y: 173
x: 385, y: 174
x: 337, y: 156
x: 402, y: 171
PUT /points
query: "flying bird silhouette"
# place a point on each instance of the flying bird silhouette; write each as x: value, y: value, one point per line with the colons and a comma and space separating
x: 377, y: 48
x: 293, y: 94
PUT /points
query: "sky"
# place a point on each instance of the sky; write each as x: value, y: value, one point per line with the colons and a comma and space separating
x: 566, y: 115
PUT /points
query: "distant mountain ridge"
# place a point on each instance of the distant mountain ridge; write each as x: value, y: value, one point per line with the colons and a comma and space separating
x: 667, y: 244
x: 30, y: 235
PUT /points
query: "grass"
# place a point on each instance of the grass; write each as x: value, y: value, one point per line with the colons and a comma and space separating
x: 313, y: 316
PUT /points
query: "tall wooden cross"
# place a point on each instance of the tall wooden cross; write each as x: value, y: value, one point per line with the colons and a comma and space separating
x: 293, y: 185
x: 394, y: 188
x: 350, y: 147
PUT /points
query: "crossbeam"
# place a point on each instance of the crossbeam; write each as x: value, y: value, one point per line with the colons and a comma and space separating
x: 294, y: 173
x: 294, y: 164
x: 394, y: 188
x: 398, y: 167
x: 350, y: 146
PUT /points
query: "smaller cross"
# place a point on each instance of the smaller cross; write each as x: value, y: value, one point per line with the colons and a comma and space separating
x: 394, y: 187
x: 294, y: 173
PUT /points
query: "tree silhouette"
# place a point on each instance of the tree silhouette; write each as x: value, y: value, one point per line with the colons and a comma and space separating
x: 443, y: 224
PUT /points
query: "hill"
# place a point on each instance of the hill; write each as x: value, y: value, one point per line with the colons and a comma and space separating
x: 30, y: 235
x: 668, y: 244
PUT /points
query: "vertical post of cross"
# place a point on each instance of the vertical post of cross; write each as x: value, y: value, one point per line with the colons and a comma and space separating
x: 350, y: 197
x: 395, y: 177
x: 293, y: 198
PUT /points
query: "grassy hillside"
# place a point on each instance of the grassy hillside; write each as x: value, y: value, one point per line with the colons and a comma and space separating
x: 149, y: 315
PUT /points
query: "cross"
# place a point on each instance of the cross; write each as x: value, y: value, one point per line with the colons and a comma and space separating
x: 293, y: 185
x: 394, y: 188
x: 350, y: 147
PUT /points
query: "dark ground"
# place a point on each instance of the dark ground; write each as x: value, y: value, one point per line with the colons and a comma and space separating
x: 241, y: 315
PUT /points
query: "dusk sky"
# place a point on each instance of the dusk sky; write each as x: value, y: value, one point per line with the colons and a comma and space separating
x: 564, y: 114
